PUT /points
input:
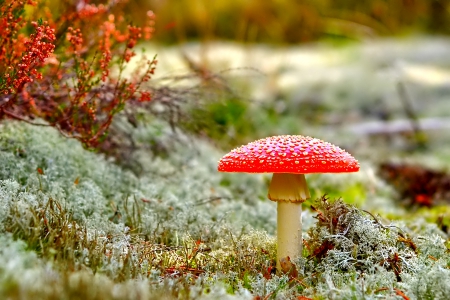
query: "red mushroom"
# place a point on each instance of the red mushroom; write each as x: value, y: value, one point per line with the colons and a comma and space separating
x: 288, y: 157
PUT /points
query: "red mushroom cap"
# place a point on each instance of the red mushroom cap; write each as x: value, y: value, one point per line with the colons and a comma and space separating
x: 288, y: 154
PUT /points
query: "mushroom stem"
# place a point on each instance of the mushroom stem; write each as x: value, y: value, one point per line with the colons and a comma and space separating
x: 289, y: 190
x: 289, y: 230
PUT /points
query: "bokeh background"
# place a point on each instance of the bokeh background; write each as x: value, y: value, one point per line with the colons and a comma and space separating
x: 289, y: 21
x: 371, y: 76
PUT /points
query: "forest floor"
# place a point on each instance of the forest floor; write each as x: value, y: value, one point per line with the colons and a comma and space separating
x: 152, y: 218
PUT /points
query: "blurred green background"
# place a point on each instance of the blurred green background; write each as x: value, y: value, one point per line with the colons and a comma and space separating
x: 289, y: 21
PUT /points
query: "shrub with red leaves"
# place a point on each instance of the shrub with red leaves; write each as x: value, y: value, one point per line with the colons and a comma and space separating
x: 66, y: 66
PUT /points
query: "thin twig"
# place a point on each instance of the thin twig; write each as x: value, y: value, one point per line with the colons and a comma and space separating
x: 211, y: 199
x: 419, y: 134
x: 17, y: 117
x: 383, y: 226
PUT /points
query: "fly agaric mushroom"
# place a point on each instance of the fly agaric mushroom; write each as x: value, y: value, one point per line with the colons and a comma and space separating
x: 289, y: 158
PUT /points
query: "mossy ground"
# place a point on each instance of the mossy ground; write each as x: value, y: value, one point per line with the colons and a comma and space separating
x: 162, y: 223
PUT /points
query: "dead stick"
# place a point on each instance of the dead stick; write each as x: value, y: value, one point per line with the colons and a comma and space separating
x: 419, y: 135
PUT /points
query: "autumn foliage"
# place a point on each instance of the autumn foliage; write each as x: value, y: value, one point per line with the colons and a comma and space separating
x: 66, y: 66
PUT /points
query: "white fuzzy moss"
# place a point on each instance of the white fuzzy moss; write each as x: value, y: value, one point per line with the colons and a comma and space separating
x: 182, y: 202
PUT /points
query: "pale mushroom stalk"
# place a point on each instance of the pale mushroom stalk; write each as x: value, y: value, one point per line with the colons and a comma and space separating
x: 290, y: 191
